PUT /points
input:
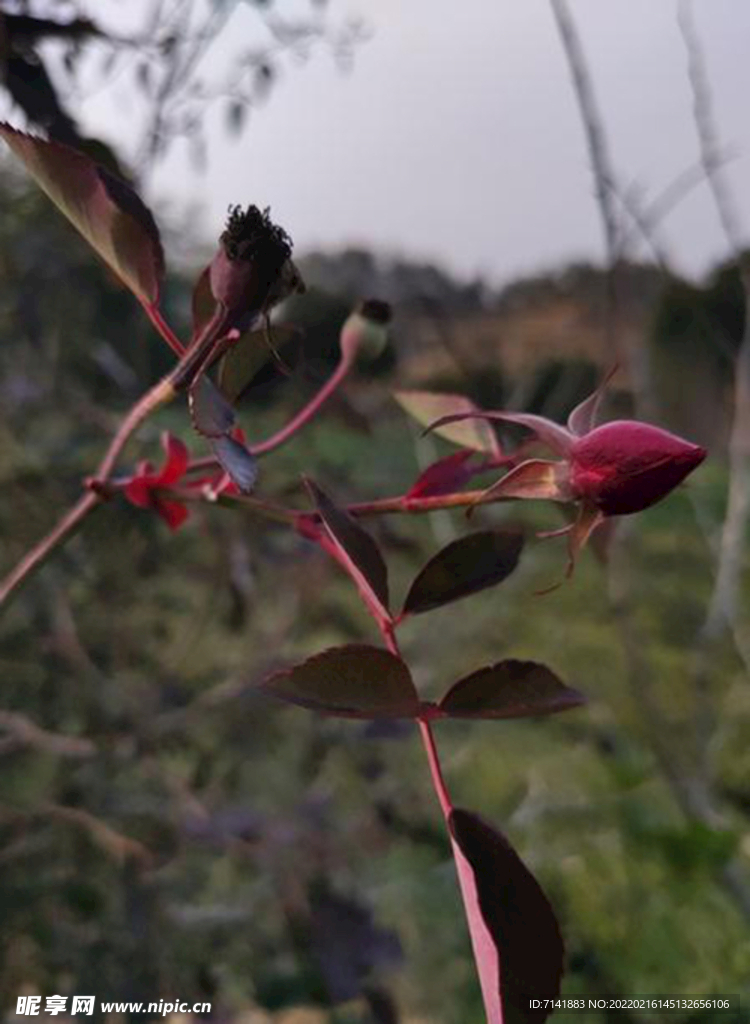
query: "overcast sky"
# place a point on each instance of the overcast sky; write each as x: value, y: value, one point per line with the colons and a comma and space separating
x: 455, y: 136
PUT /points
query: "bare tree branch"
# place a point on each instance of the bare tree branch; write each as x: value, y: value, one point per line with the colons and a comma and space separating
x: 722, y: 612
x: 605, y: 180
x: 592, y: 123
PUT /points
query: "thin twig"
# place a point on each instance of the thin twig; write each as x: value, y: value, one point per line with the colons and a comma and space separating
x: 120, y: 847
x: 592, y: 122
x: 39, y: 554
x: 29, y: 734
x: 722, y: 611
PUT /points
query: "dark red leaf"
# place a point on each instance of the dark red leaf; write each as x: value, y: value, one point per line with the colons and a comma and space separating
x: 361, y: 552
x: 510, y: 689
x: 444, y: 476
x: 354, y: 681
x: 237, y: 461
x: 105, y: 210
x: 515, y: 936
x: 211, y: 413
x: 466, y: 566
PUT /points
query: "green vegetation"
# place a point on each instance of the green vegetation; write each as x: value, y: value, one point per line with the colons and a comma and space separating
x: 292, y: 860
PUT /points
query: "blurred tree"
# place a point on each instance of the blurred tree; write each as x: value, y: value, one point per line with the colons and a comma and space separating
x: 46, y: 45
x: 696, y: 334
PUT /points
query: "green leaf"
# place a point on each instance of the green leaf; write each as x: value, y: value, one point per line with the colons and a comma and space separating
x: 466, y: 566
x: 427, y: 406
x: 106, y: 211
x: 354, y: 681
x: 360, y: 551
x: 510, y: 689
x: 249, y: 354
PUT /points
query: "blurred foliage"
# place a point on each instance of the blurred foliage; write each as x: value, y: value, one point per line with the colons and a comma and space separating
x: 168, y: 831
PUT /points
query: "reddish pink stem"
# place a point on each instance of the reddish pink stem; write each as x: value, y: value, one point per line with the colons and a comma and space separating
x: 306, y: 414
x: 436, y: 772
x: 161, y: 325
x: 425, y: 730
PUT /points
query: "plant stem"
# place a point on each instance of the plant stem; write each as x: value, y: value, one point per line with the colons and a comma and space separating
x: 160, y: 394
x: 38, y: 555
x: 161, y: 325
x: 176, y: 381
x: 382, y: 506
x: 97, y: 491
x: 294, y: 425
x: 425, y: 730
x: 436, y: 772
x: 307, y: 413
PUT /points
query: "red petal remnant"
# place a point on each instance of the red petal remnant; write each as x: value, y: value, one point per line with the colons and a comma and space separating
x: 625, y: 466
x: 444, y: 476
x: 143, y: 488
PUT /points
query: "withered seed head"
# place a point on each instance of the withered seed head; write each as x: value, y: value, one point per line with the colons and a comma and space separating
x: 251, y: 235
x: 249, y: 263
x: 376, y: 310
x: 365, y: 332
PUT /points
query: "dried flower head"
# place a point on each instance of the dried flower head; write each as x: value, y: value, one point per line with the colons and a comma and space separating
x: 252, y: 255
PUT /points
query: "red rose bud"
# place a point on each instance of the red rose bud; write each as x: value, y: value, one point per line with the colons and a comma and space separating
x: 365, y: 332
x: 249, y: 264
x: 625, y: 466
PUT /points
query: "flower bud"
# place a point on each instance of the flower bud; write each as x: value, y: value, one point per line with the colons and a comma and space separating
x: 245, y: 271
x: 625, y: 466
x: 365, y: 332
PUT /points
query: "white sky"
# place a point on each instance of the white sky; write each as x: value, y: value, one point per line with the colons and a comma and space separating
x: 455, y: 136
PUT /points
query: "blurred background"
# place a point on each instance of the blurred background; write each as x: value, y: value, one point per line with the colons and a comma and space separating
x: 540, y: 190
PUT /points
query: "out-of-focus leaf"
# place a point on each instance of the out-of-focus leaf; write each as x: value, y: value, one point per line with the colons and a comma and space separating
x: 30, y: 86
x: 354, y: 681
x: 444, y: 476
x: 237, y: 461
x: 26, y: 30
x: 224, y: 826
x: 211, y: 413
x: 510, y: 689
x: 361, y: 552
x: 235, y: 116
x: 514, y: 933
x: 106, y: 211
x: 347, y: 944
x: 466, y: 566
x: 428, y: 406
x: 249, y: 354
